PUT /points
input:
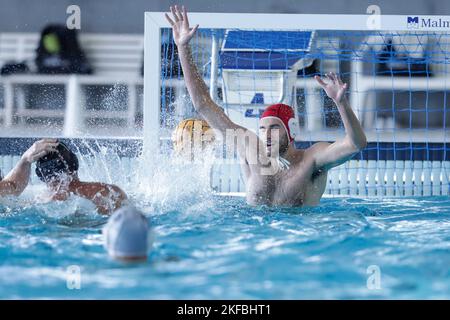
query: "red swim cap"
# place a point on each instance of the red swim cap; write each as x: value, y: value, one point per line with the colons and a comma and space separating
x: 282, y: 112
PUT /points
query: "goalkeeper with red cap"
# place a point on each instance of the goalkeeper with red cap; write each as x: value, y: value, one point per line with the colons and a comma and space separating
x: 276, y: 172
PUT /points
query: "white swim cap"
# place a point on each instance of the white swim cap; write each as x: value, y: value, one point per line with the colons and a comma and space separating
x: 127, y: 234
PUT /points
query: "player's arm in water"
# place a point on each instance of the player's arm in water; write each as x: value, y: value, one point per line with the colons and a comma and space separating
x: 328, y: 155
x: 106, y: 197
x: 17, y: 180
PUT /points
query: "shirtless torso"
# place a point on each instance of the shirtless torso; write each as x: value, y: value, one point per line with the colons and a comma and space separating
x: 302, y: 184
x: 304, y: 181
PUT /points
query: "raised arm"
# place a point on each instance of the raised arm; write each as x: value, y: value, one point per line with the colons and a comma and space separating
x: 17, y: 180
x: 197, y: 88
x: 328, y: 155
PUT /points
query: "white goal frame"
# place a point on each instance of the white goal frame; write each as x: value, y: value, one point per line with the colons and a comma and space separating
x: 421, y: 178
x: 154, y: 21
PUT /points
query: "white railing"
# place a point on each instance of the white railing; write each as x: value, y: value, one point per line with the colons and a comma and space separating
x: 116, y: 59
x: 365, y: 178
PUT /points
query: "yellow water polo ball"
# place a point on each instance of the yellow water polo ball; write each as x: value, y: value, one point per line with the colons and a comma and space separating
x: 192, y: 135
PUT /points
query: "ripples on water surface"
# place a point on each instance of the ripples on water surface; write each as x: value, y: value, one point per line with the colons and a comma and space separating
x: 219, y: 247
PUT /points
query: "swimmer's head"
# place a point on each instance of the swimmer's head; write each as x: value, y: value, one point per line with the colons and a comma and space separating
x: 277, y: 128
x: 56, y: 166
x: 127, y: 235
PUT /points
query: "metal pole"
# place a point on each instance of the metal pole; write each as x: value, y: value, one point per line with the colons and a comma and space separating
x: 214, y: 67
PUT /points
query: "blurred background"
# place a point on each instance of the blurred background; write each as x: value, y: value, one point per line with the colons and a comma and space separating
x: 118, y: 16
x: 106, y: 54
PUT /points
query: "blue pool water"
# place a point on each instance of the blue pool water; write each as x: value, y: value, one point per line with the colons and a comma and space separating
x: 221, y: 248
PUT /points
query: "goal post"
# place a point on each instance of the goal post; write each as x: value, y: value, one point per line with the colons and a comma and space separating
x: 397, y: 70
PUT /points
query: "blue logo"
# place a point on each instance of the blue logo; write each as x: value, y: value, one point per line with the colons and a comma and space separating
x: 412, y: 22
x: 249, y: 113
x: 258, y: 98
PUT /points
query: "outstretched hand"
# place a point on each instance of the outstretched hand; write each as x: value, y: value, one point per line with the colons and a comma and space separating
x: 334, y: 87
x: 182, y: 33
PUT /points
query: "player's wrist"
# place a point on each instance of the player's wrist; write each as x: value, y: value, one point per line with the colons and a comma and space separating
x: 25, y: 159
x: 343, y: 102
x: 183, y: 46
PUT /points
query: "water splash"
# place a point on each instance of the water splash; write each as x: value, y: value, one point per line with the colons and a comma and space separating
x: 114, y: 97
x: 169, y: 183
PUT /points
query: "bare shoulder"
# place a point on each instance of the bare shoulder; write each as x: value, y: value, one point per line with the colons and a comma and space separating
x: 103, y: 188
x: 112, y: 188
x: 311, y: 153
